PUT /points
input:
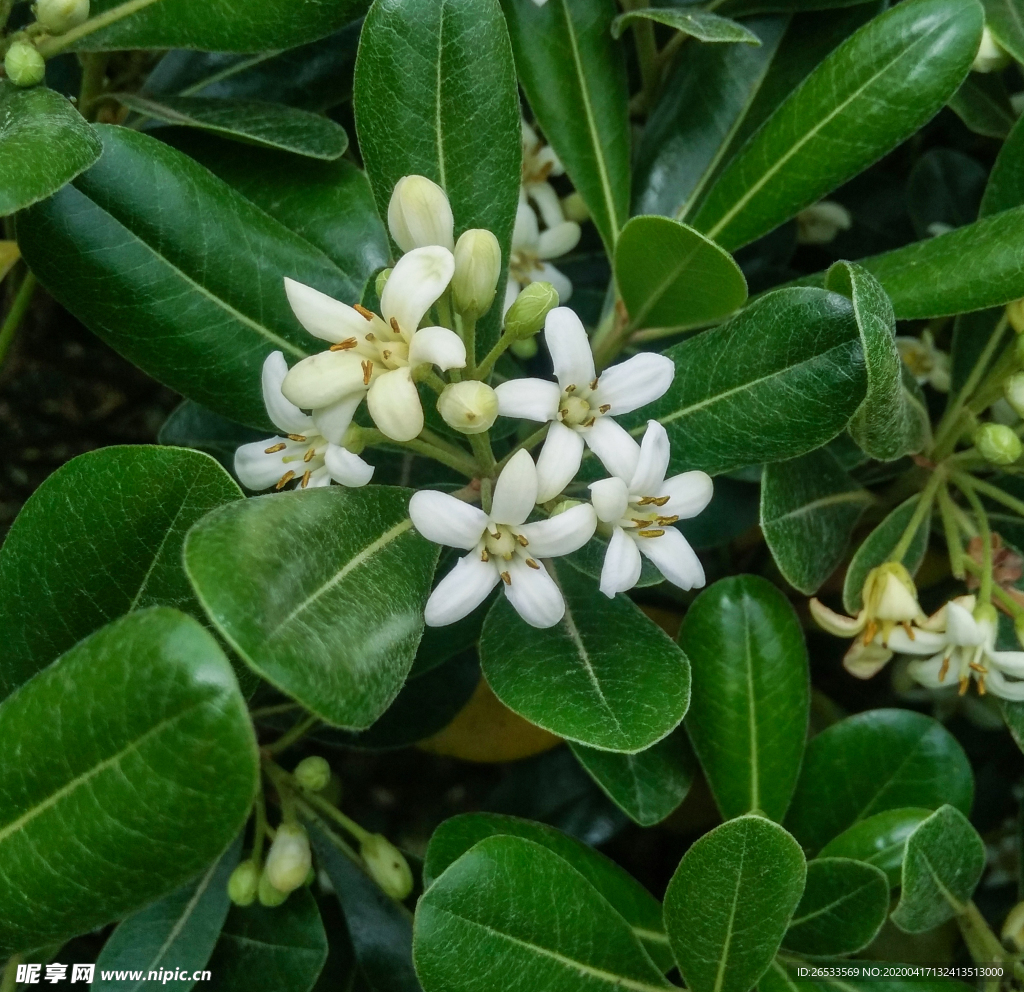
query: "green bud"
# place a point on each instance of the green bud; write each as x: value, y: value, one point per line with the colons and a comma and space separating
x: 1013, y: 389
x: 565, y: 504
x: 470, y: 406
x: 387, y: 866
x: 991, y: 55
x: 60, y: 16
x: 24, y: 65
x: 526, y: 316
x: 382, y: 280
x: 313, y: 773
x: 477, y: 267
x: 289, y: 859
x: 997, y: 444
x: 244, y: 883
x: 575, y: 209
x: 268, y: 894
x: 524, y: 349
x: 1015, y: 314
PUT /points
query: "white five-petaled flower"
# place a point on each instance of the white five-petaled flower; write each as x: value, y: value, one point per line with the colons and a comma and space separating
x: 582, y: 405
x: 302, y: 453
x: 502, y: 547
x: 374, y: 356
x: 927, y: 364
x: 532, y: 249
x: 641, y: 511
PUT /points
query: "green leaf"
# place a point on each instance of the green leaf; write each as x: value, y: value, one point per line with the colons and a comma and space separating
x: 44, y: 143
x: 574, y: 76
x: 635, y: 904
x: 871, y: 93
x: 1005, y: 188
x: 179, y: 931
x: 873, y: 762
x: 190, y: 425
x: 880, y: 840
x: 843, y: 907
x: 809, y: 509
x: 321, y: 591
x: 570, y: 678
x: 736, y: 8
x: 784, y: 976
x: 1005, y: 19
x: 730, y: 901
x: 144, y: 249
x: 269, y: 125
x: 670, y: 275
x: 943, y: 864
x: 101, y: 537
x: 877, y: 547
x: 646, y: 786
x: 983, y: 104
x: 136, y: 766
x: 972, y: 333
x: 697, y: 24
x: 781, y: 378
x: 500, y: 899
x: 281, y: 948
x: 751, y: 694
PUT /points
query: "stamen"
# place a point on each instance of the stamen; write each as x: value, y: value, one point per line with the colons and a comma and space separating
x: 371, y: 336
x: 485, y: 555
x: 386, y: 354
x: 284, y: 480
x: 650, y: 533
x: 639, y: 522
x: 305, y: 479
x: 981, y: 686
x: 309, y: 455
x: 362, y: 311
x: 296, y: 437
x: 521, y: 538
x: 506, y: 578
x: 571, y: 389
x: 653, y: 500
x: 869, y: 631
x: 604, y: 408
x: 909, y: 630
x: 671, y: 520
x: 980, y: 669
x: 589, y: 423
x: 367, y: 367
x: 593, y: 385
x: 944, y: 670
x: 532, y: 563
x: 275, y: 448
x: 394, y: 325
x: 965, y: 681
x: 344, y: 345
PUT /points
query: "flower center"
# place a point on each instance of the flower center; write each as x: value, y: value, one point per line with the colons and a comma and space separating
x: 644, y: 514
x: 574, y: 411
x: 524, y: 265
x: 304, y: 454
x: 501, y: 543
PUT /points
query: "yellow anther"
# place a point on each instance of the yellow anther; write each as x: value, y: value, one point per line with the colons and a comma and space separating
x: 604, y: 407
x: 367, y: 372
x: 309, y: 455
x: 363, y: 312
x: 284, y: 480
x: 274, y: 449
x: 345, y: 345
x: 394, y: 325
x: 506, y: 578
x: 532, y: 563
x: 305, y: 478
x: 650, y: 533
x: 296, y: 437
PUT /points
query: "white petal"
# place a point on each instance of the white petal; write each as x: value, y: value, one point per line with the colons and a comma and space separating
x: 863, y: 661
x: 515, y: 492
x: 650, y: 471
x: 548, y: 203
x: 461, y: 591
x: 443, y: 519
x: 1009, y: 662
x: 418, y: 279
x: 333, y: 421
x: 961, y: 627
x: 560, y: 281
x: 562, y: 534
x: 284, y: 414
x: 420, y: 214
x: 927, y: 673
x: 558, y: 241
x: 999, y: 686
x: 559, y: 460
x: 836, y: 623
x: 675, y: 558
x: 347, y: 468
x: 256, y: 469
x: 618, y: 452
x: 688, y: 494
x: 622, y: 564
x: 924, y: 642
x: 528, y: 399
x: 611, y: 499
x: 395, y: 405
x: 534, y: 594
x: 323, y: 316
x: 319, y: 479
x: 526, y: 233
x: 567, y: 341
x: 323, y: 379
x: 437, y: 346
x: 635, y: 382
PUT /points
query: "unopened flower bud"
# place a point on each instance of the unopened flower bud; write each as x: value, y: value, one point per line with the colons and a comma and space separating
x: 59, y: 16
x: 565, y: 504
x: 991, y: 56
x: 890, y: 595
x: 1013, y: 928
x: 524, y: 349
x: 470, y: 406
x: 387, y: 865
x: 997, y: 444
x: 24, y: 65
x: 382, y: 280
x: 477, y: 268
x: 819, y: 223
x: 244, y: 883
x: 313, y: 773
x: 420, y: 215
x: 575, y: 208
x: 289, y: 859
x: 269, y: 895
x: 527, y: 315
x: 1015, y: 314
x: 1013, y: 389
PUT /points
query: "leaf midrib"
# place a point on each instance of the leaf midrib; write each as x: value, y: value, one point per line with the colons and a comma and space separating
x: 723, y: 959
x: 835, y: 499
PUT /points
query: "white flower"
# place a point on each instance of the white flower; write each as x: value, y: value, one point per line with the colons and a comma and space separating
x: 582, y: 405
x: 641, y: 512
x: 502, y: 547
x: 819, y: 223
x: 532, y: 249
x: 539, y: 163
x: 925, y: 362
x: 419, y: 215
x: 373, y: 356
x: 303, y: 452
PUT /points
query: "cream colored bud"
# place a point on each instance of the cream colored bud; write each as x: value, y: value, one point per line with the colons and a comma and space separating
x: 313, y: 773
x: 24, y: 65
x: 420, y: 215
x: 1013, y: 928
x: 1015, y: 314
x: 387, y: 865
x: 244, y: 884
x: 525, y: 348
x: 477, y: 268
x: 381, y: 281
x: 890, y: 595
x: 470, y: 406
x: 1013, y: 389
x: 991, y: 55
x: 575, y: 209
x: 527, y: 315
x: 268, y: 894
x: 997, y: 443
x: 289, y: 859
x: 60, y: 16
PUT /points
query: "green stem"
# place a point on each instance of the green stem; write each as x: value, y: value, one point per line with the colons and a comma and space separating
x: 924, y: 505
x: 965, y: 483
x: 318, y: 802
x: 647, y: 55
x: 19, y: 308
x: 528, y: 445
x: 463, y: 464
x: 953, y: 543
x: 260, y: 826
x: 285, y: 786
x: 483, y: 370
x: 435, y: 382
x: 10, y: 974
x: 56, y: 45
x: 994, y: 492
x: 1011, y: 605
x: 468, y: 326
x: 286, y: 740
x: 481, y: 444
x: 984, y: 946
x: 6, y: 6
x: 272, y: 710
x: 94, y: 79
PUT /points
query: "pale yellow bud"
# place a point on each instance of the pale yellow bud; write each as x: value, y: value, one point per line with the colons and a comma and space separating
x: 382, y: 280
x: 477, y: 268
x: 244, y: 883
x: 991, y: 56
x: 387, y: 866
x: 890, y: 595
x: 1013, y: 389
x: 289, y: 859
x: 60, y: 16
x: 420, y: 215
x: 525, y: 348
x: 998, y: 444
x: 575, y: 208
x: 313, y: 773
x: 1015, y: 314
x: 470, y: 407
x: 24, y: 65
x: 527, y: 315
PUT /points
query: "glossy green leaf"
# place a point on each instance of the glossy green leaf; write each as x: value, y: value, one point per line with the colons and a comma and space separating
x: 670, y: 275
x: 844, y: 905
x: 281, y: 948
x: 574, y: 76
x: 604, y: 676
x: 146, y: 250
x: 646, y: 786
x: 983, y: 104
x: 751, y: 694
x: 269, y: 125
x: 781, y: 378
x: 697, y: 24
x: 179, y: 931
x: 880, y: 840
x: 190, y: 425
x: 321, y: 591
x: 877, y: 88
x: 873, y: 762
x: 636, y: 905
x: 877, y: 547
x: 1005, y: 19
x: 736, y: 8
x: 512, y: 916
x: 943, y: 864
x: 1005, y: 189
x: 785, y: 976
x: 809, y: 508
x: 44, y: 143
x: 136, y: 768
x: 101, y: 537
x: 730, y: 901
x: 972, y: 333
